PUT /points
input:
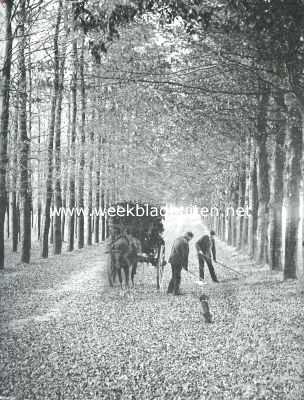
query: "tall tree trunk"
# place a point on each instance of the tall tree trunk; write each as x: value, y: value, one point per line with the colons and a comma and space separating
x: 25, y: 195
x: 39, y: 211
x: 223, y: 237
x: 90, y: 218
x: 98, y: 159
x: 72, y: 198
x: 7, y: 215
x: 244, y: 242
x: 14, y: 176
x: 302, y: 272
x: 229, y: 229
x: 58, y: 196
x: 52, y: 224
x: 57, y: 193
x: 39, y: 206
x: 76, y: 227
x: 64, y: 204
x: 235, y: 202
x: 108, y: 202
x: 97, y: 190
x: 295, y: 78
x: 103, y: 218
x: 15, y: 221
x: 49, y: 180
x: 66, y: 170
x: 276, y: 195
x: 241, y: 199
x: 29, y: 121
x: 18, y: 216
x: 253, y: 201
x: 263, y: 196
x: 90, y: 194
x: 262, y: 180
x: 294, y: 143
x: 80, y: 218
x: 230, y: 216
x: 4, y: 118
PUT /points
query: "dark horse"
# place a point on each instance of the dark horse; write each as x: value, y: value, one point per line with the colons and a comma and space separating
x: 122, y: 256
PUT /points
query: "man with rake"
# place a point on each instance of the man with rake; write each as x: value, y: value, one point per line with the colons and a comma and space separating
x: 205, y: 247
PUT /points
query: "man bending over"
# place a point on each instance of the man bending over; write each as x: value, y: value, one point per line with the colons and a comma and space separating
x: 205, y: 247
x: 178, y: 260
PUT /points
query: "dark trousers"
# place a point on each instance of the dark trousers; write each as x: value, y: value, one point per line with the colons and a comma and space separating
x: 176, y: 279
x: 201, y: 262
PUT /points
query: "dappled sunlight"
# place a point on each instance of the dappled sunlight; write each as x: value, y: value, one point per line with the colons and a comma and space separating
x: 151, y: 199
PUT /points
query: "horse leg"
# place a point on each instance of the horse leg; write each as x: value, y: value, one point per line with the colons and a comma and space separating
x: 119, y: 276
x: 110, y: 270
x: 115, y: 267
x: 114, y: 275
x: 126, y: 271
x: 133, y: 272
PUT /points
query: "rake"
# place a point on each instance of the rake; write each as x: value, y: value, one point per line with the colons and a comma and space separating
x: 230, y: 269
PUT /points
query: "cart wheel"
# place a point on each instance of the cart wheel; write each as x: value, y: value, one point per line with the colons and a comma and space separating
x: 110, y: 279
x: 110, y: 271
x: 160, y: 267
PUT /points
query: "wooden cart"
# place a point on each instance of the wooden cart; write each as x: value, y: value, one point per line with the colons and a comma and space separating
x: 148, y: 230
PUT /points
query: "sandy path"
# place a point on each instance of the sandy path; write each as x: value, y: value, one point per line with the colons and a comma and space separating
x: 67, y: 335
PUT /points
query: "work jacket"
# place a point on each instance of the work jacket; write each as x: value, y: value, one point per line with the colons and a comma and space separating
x: 180, y: 252
x: 207, y: 246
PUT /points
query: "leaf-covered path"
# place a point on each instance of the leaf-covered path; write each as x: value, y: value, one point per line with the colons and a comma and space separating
x: 66, y: 335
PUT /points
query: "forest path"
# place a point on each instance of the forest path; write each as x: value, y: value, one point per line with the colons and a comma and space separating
x: 66, y: 335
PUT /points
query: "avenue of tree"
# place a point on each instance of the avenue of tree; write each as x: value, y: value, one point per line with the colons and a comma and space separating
x: 195, y: 102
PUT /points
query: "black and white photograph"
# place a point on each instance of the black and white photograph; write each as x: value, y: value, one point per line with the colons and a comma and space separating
x: 151, y: 199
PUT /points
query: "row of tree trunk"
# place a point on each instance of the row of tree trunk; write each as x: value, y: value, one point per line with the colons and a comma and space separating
x: 72, y: 171
x: 268, y: 186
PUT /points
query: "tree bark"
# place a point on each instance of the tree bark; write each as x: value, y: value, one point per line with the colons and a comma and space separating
x: 14, y: 176
x: 72, y: 198
x: 241, y: 200
x: 49, y: 180
x: 223, y: 224
x: 52, y: 225
x: 262, y: 179
x: 58, y: 195
x: 103, y: 218
x: 97, y: 206
x: 29, y: 120
x: 25, y: 195
x: 230, y: 215
x: 108, y: 202
x: 97, y: 191
x: 4, y: 118
x: 276, y: 195
x: 244, y: 242
x: 294, y: 143
x: 263, y: 199
x: 90, y: 194
x: 253, y: 201
x: 15, y: 221
x: 235, y: 201
x: 39, y: 206
x: 80, y: 232
x: 66, y: 170
x: 7, y: 215
x: 64, y: 204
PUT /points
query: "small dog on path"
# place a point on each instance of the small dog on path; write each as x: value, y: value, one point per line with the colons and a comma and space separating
x: 206, y: 310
